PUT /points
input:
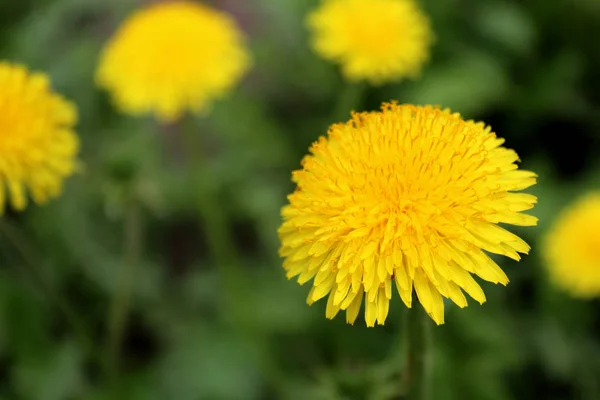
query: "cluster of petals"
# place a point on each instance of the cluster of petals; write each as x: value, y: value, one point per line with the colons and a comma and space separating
x: 408, y: 196
x: 172, y: 57
x: 572, y: 247
x: 377, y: 41
x: 38, y: 146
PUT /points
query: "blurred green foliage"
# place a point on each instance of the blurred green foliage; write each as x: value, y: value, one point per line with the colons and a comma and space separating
x: 200, y: 330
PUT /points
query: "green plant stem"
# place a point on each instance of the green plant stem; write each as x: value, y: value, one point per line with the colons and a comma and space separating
x: 349, y: 100
x: 233, y: 276
x: 33, y: 269
x: 220, y: 242
x: 223, y: 250
x: 416, y: 369
x: 120, y: 307
x: 221, y: 246
x: 187, y: 149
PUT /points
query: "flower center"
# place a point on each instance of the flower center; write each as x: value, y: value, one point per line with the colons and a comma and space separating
x: 20, y: 125
x: 372, y: 36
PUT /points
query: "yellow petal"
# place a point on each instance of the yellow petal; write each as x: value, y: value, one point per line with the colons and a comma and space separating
x: 383, y: 306
x: 354, y: 308
x: 332, y: 308
x: 371, y: 313
x: 429, y: 297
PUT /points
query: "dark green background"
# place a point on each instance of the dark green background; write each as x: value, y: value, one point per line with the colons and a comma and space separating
x: 211, y: 188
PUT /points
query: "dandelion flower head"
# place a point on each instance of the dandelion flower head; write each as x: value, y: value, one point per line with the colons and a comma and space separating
x: 572, y: 247
x: 374, y: 40
x: 410, y: 196
x: 38, y: 146
x: 173, y: 57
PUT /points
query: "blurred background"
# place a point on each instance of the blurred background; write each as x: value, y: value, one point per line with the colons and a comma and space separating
x: 212, y: 315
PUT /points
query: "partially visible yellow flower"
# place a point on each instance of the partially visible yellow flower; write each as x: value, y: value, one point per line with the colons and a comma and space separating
x: 172, y: 57
x: 38, y: 146
x: 572, y: 247
x: 374, y: 40
x: 411, y: 195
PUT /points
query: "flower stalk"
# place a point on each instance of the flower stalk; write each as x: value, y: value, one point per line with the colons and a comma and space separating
x: 120, y: 308
x: 416, y: 368
x: 349, y: 100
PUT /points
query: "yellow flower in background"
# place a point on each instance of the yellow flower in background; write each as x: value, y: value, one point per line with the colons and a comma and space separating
x: 38, y: 146
x: 411, y: 195
x: 374, y: 40
x: 572, y: 248
x: 173, y: 57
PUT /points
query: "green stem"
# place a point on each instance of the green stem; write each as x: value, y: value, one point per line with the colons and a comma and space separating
x: 417, y: 339
x: 119, y: 311
x: 33, y: 269
x: 232, y: 274
x: 186, y: 147
x: 349, y: 100
x: 202, y: 178
x: 221, y: 246
x: 223, y: 251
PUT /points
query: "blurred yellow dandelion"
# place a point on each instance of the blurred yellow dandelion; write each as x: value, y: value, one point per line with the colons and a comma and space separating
x: 173, y: 57
x: 374, y: 40
x: 411, y: 195
x: 572, y: 248
x: 38, y: 146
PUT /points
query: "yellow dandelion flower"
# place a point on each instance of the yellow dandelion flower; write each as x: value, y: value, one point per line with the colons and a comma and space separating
x: 572, y: 248
x: 411, y: 195
x: 173, y: 57
x: 38, y: 146
x: 374, y: 40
